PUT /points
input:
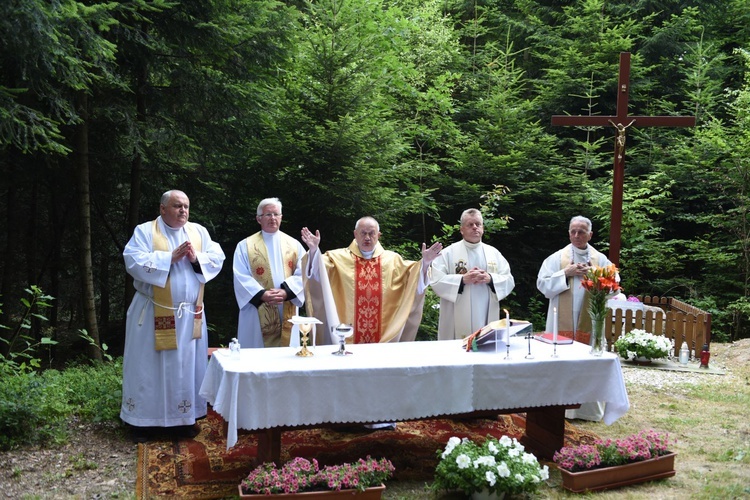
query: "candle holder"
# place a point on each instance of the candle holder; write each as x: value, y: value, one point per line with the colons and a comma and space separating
x: 305, y: 329
x: 554, y: 349
x: 507, y: 350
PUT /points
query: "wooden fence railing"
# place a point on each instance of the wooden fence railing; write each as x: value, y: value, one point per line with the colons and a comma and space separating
x: 666, y: 316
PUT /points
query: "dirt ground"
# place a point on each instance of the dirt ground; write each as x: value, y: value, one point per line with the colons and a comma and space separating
x: 706, y: 414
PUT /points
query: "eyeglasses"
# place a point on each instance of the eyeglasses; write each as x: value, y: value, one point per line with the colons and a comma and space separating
x: 271, y: 216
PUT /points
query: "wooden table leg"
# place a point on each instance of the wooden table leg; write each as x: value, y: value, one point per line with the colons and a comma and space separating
x: 545, y: 430
x: 269, y: 446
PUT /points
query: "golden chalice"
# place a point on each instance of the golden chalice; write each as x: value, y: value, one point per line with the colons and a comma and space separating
x: 304, y: 330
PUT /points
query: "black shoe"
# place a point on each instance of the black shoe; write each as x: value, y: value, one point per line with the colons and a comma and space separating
x: 187, y: 431
x: 140, y: 434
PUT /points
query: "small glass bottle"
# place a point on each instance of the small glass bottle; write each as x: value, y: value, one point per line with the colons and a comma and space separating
x: 234, y: 349
x: 705, y: 356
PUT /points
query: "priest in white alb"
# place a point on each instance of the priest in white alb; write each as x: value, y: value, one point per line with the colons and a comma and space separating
x: 471, y: 278
x: 268, y: 286
x: 375, y: 290
x: 559, y: 279
x: 165, y: 358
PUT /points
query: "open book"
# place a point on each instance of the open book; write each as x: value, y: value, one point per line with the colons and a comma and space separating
x: 495, y: 332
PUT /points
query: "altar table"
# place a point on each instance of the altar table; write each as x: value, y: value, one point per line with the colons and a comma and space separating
x: 271, y: 389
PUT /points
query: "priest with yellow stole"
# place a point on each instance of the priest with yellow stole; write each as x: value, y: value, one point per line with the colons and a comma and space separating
x: 170, y: 260
x: 375, y: 290
x: 559, y: 279
x: 267, y: 268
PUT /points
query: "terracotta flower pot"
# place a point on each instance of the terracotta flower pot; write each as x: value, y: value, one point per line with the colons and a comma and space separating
x: 620, y: 475
x: 373, y: 493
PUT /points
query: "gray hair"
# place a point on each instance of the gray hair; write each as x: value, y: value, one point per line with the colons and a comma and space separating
x: 367, y: 218
x: 167, y: 195
x: 584, y: 220
x: 471, y: 211
x: 268, y: 201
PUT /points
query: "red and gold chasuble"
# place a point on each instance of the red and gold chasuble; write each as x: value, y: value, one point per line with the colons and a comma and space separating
x: 377, y: 296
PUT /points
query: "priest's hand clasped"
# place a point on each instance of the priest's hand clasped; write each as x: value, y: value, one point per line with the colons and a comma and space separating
x: 577, y: 269
x: 184, y: 250
x: 477, y: 276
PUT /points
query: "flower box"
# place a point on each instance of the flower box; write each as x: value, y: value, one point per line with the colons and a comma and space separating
x: 373, y: 493
x: 304, y: 479
x: 621, y: 475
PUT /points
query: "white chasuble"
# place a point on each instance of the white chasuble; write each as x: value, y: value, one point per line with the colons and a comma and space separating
x: 467, y: 308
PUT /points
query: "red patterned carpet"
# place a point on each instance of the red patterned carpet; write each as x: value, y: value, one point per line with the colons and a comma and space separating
x: 203, y: 468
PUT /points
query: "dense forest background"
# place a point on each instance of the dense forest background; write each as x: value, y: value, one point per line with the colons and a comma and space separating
x: 407, y: 110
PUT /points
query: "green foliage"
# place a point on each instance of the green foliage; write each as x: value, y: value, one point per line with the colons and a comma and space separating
x: 21, y: 347
x: 95, y: 391
x: 35, y: 407
x: 428, y: 328
x: 407, y: 111
x: 103, y: 347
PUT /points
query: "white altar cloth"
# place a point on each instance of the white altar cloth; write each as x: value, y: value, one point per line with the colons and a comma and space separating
x: 273, y: 387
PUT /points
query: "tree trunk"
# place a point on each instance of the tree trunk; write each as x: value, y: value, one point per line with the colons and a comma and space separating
x: 135, y: 170
x: 84, y: 242
x: 10, y: 263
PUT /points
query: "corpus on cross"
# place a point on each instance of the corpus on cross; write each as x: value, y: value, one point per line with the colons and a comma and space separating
x: 621, y: 122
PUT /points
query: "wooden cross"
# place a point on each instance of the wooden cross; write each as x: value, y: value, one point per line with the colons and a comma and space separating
x: 621, y: 122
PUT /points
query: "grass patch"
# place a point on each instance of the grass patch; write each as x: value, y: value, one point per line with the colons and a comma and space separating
x: 733, y: 455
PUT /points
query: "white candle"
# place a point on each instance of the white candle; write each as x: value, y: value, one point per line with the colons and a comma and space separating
x: 554, y: 325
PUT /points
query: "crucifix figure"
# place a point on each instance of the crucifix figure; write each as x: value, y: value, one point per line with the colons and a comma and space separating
x: 621, y: 122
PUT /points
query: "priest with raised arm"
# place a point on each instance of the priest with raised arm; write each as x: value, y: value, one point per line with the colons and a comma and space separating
x: 375, y: 290
x: 471, y: 278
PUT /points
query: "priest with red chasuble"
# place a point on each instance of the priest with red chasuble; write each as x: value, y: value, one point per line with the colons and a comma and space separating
x: 375, y: 290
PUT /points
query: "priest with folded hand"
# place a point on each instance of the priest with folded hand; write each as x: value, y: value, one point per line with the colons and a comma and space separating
x: 471, y: 278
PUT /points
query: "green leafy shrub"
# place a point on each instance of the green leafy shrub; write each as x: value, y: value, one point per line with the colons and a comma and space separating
x: 33, y: 410
x: 95, y: 391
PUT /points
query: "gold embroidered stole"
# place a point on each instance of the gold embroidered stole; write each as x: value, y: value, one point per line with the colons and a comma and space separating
x: 377, y: 296
x: 276, y: 332
x: 565, y: 302
x: 165, y: 335
x: 368, y: 299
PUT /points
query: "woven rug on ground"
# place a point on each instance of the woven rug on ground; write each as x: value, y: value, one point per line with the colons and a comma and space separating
x: 203, y: 468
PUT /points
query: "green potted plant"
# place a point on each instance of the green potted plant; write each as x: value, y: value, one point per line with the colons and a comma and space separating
x: 489, y: 469
x: 640, y: 344
x: 302, y: 478
x: 640, y: 457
